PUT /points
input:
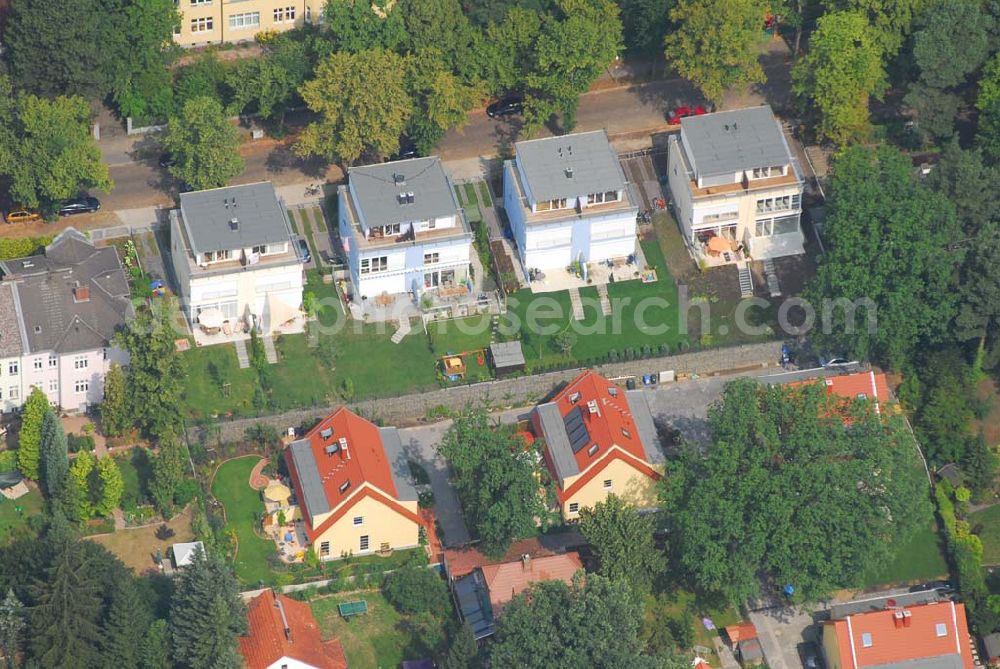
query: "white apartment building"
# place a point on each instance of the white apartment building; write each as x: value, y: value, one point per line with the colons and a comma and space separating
x: 59, y: 311
x: 567, y: 200
x: 735, y: 186
x: 236, y: 263
x: 403, y: 230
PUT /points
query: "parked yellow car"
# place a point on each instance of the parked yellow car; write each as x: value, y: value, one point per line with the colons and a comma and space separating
x: 23, y: 216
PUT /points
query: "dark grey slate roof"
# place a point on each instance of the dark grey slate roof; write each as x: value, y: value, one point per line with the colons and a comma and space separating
x: 507, y: 354
x: 750, y: 650
x: 734, y: 141
x: 377, y: 189
x: 392, y: 444
x: 11, y: 345
x: 207, y: 216
x: 557, y: 440
x: 569, y: 166
x: 312, y: 487
x: 839, y: 611
x: 638, y: 406
x: 51, y: 318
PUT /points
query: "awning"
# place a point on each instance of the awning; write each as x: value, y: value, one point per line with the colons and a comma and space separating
x: 720, y: 244
x: 211, y: 318
x: 277, y: 312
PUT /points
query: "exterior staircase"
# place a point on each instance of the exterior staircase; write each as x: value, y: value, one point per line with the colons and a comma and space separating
x: 404, y: 329
x: 746, y: 279
x: 269, y: 351
x: 574, y: 299
x: 241, y: 354
x: 602, y: 293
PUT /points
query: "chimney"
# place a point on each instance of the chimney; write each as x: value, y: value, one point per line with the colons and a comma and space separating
x: 234, y: 223
x: 907, y: 618
x: 569, y: 172
x: 401, y: 198
x: 81, y: 294
x: 399, y: 179
x: 526, y: 562
x: 593, y: 408
x: 343, y: 447
x: 284, y: 618
x: 410, y: 199
x: 897, y: 619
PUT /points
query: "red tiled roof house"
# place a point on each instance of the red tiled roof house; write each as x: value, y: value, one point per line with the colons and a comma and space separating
x: 871, y: 386
x: 599, y: 439
x: 283, y: 634
x: 354, y: 488
x: 923, y: 636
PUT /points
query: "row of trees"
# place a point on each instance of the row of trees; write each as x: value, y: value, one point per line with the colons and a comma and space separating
x: 71, y: 603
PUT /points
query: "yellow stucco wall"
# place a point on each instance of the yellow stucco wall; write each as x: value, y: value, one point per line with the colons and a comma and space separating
x: 627, y: 482
x: 831, y: 647
x: 221, y: 11
x: 381, y: 524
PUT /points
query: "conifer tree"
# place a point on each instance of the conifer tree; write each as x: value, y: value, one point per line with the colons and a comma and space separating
x: 126, y: 627
x: 112, y: 486
x: 11, y: 626
x: 54, y: 459
x: 29, y: 438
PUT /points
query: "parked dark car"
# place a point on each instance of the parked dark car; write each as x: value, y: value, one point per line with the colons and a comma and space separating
x: 304, y: 251
x: 810, y: 656
x: 512, y: 104
x: 407, y: 150
x: 80, y: 205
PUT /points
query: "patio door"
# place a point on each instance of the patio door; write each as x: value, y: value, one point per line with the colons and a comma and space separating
x: 432, y: 279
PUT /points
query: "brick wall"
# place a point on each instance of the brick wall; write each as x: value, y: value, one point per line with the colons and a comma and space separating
x: 521, y: 391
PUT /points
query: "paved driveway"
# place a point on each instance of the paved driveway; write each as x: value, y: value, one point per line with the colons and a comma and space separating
x: 781, y: 630
x: 420, y: 443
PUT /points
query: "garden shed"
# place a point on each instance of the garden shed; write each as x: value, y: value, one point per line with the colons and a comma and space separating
x: 507, y: 358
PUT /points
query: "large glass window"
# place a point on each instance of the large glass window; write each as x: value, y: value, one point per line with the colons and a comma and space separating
x: 202, y: 25
x: 244, y: 20
x: 786, y: 224
x: 372, y: 265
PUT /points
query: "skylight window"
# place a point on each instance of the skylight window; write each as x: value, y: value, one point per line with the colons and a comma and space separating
x: 866, y: 640
x: 941, y: 629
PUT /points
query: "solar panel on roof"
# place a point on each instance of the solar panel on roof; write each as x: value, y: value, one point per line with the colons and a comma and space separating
x: 576, y: 429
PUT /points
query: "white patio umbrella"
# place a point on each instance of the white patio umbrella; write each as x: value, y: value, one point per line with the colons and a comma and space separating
x: 211, y: 318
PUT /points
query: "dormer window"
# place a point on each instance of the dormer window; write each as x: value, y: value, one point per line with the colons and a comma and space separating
x: 217, y: 256
x: 766, y: 172
x: 600, y: 198
x: 551, y: 205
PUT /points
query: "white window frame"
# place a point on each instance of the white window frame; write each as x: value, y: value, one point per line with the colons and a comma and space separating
x: 14, y: 393
x: 37, y: 363
x: 608, y: 484
x: 203, y: 24
x: 81, y: 386
x: 13, y: 368
x: 53, y: 385
x: 324, y: 549
x: 552, y: 205
x: 432, y: 258
x: 284, y: 14
x: 244, y: 21
x: 81, y: 362
x: 53, y: 360
x: 604, y: 197
x: 866, y: 640
x: 374, y: 265
x: 364, y: 542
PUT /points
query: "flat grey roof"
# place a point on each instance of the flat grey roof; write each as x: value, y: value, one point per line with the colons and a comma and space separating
x: 507, y: 354
x: 49, y: 315
x: 377, y: 190
x: 735, y: 141
x: 207, y: 216
x: 952, y: 661
x: 557, y: 440
x: 392, y: 444
x: 312, y: 487
x: 839, y: 611
x: 569, y: 166
x: 638, y: 405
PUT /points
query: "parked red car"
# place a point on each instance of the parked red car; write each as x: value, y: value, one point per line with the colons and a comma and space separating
x: 675, y: 116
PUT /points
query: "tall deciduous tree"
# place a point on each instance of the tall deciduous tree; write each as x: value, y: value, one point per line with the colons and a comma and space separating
x: 841, y: 71
x: 645, y: 24
x: 78, y: 502
x: 155, y: 371
x: 362, y: 103
x: 886, y: 240
x: 140, y: 81
x: 115, y: 419
x: 360, y: 25
x: 437, y: 23
x: 496, y: 479
x: 269, y: 84
x: 46, y: 150
x: 29, y: 437
x: 891, y: 20
x: 206, y: 615
x: 54, y: 455
x: 575, y: 46
x: 786, y: 491
x: 953, y: 40
x: 584, y: 625
x: 622, y: 541
x: 969, y: 183
x: 441, y: 100
x: 979, y: 312
x: 717, y: 43
x: 507, y: 50
x: 204, y: 144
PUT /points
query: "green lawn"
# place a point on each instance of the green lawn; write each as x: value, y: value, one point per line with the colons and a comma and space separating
x: 671, y: 606
x: 136, y: 468
x: 231, y: 486
x: 14, y: 515
x: 291, y: 219
x: 920, y: 559
x: 215, y: 384
x: 987, y: 524
x: 380, y: 638
x: 598, y: 335
x: 484, y: 194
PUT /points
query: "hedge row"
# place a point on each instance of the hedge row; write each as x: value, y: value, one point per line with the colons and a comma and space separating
x: 23, y: 246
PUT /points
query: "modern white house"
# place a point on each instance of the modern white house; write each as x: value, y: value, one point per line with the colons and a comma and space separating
x: 236, y: 263
x: 403, y: 230
x: 736, y: 188
x: 568, y: 200
x: 59, y: 311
